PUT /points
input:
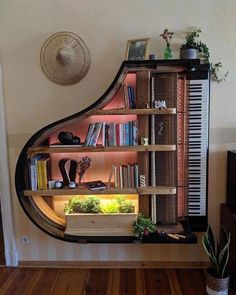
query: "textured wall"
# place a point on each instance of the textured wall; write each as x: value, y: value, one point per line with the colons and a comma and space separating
x: 32, y: 101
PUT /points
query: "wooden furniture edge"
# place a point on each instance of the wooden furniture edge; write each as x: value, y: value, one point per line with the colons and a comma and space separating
x: 116, y: 264
x: 141, y: 191
x: 89, y: 149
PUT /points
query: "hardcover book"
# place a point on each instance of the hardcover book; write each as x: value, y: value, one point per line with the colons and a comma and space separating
x: 96, y: 185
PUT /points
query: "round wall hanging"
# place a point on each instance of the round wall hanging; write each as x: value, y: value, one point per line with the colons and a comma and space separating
x: 65, y: 58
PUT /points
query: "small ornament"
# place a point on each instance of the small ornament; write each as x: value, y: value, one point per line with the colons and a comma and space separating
x: 82, y: 167
x: 160, y: 104
x: 72, y: 184
x: 142, y: 180
x: 144, y: 141
x: 152, y: 56
x: 161, y: 126
x: 58, y: 184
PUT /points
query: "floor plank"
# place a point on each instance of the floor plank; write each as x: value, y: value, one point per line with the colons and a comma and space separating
x: 157, y: 282
x: 97, y: 283
x: 45, y: 283
x: 191, y: 281
x: 19, y: 282
x: 70, y: 282
x: 127, y: 282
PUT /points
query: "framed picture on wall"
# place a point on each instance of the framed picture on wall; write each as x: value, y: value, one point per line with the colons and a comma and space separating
x: 137, y: 49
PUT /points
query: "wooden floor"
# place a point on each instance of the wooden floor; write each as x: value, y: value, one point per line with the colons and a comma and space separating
x: 72, y: 281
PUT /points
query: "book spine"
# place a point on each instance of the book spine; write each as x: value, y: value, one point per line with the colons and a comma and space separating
x: 124, y: 176
x: 126, y: 97
x: 121, y: 134
x: 90, y: 134
x: 135, y: 132
x: 121, y: 177
x: 107, y: 134
x: 115, y: 176
x: 136, y: 176
x: 103, y: 133
x: 133, y: 99
x: 130, y: 97
x: 129, y: 175
x: 127, y: 134
x: 118, y: 134
x: 131, y: 133
x: 96, y: 134
x: 33, y: 176
x: 39, y: 174
x: 86, y: 137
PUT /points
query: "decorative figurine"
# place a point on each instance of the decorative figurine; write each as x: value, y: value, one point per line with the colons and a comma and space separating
x: 144, y: 141
x: 82, y: 167
x: 161, y: 126
x: 160, y: 104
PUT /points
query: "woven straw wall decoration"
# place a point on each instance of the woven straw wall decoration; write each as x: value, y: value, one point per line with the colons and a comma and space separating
x: 65, y: 58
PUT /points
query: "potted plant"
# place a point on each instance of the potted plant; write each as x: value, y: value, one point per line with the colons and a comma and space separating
x: 167, y: 36
x: 194, y: 48
x: 91, y: 216
x: 190, y: 49
x: 143, y: 227
x: 217, y: 273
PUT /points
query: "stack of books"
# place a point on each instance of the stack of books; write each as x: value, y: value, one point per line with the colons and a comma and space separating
x: 125, y: 176
x: 39, y: 173
x: 112, y: 134
x: 129, y: 97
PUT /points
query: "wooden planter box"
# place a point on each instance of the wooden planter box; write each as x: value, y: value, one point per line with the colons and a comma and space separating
x: 120, y: 224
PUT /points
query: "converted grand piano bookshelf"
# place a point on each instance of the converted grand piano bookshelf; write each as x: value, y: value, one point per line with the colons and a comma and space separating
x: 174, y: 163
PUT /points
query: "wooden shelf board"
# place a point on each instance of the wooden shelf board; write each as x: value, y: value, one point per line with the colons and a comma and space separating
x: 149, y: 111
x: 87, y: 149
x: 149, y: 190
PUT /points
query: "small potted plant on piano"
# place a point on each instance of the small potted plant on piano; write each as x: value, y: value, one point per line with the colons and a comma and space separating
x: 190, y: 49
x: 217, y: 274
x: 91, y: 216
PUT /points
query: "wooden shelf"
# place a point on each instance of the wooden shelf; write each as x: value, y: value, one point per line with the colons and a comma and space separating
x: 88, y: 149
x: 149, y: 190
x: 170, y: 111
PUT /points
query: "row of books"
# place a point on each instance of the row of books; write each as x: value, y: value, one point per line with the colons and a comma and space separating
x: 129, y: 97
x: 125, y: 176
x: 39, y: 172
x: 112, y: 134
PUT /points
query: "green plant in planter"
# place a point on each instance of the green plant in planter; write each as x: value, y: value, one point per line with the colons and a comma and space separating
x: 143, y: 226
x: 92, y: 204
x: 218, y: 252
x: 125, y: 206
x: 192, y: 42
x: 110, y: 208
x: 73, y: 205
x: 89, y: 205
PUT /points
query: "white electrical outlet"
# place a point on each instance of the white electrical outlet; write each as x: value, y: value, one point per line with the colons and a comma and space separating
x: 25, y: 239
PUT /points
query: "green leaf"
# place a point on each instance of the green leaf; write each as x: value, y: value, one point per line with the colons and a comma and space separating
x: 223, y: 251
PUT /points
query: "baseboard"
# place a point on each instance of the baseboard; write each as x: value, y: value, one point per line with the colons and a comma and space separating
x: 116, y: 264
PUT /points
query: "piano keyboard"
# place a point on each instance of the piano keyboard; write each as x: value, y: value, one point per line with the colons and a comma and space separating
x: 198, y: 107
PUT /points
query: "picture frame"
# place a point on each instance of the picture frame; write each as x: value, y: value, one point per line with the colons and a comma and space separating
x: 137, y: 49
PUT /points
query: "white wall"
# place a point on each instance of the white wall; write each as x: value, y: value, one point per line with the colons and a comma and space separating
x: 32, y: 101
